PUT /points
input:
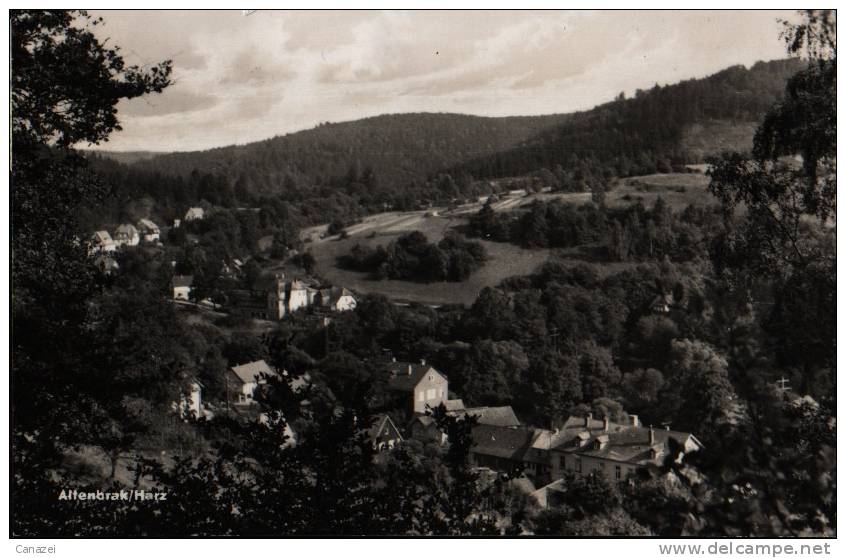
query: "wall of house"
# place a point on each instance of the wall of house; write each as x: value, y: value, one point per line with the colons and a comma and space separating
x: 431, y: 391
x: 181, y: 293
x: 345, y: 303
x: 563, y: 461
x: 275, y: 307
x: 247, y: 392
x: 299, y: 299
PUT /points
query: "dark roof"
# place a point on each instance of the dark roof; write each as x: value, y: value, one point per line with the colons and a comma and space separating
x: 493, y: 416
x: 627, y: 444
x: 405, y: 376
x: 425, y: 420
x: 183, y: 280
x: 454, y: 405
x: 500, y: 441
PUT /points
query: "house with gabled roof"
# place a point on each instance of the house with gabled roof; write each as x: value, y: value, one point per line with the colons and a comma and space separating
x: 662, y: 303
x: 425, y: 428
x: 190, y: 403
x: 101, y: 241
x: 611, y: 449
x: 149, y: 230
x: 244, y: 379
x: 420, y: 386
x: 384, y: 434
x: 335, y: 299
x: 194, y: 213
x: 181, y: 285
x: 286, y: 297
x: 500, y: 448
x: 127, y: 235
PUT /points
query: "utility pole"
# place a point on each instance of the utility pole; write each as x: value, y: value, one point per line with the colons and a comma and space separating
x: 553, y: 335
x: 782, y: 384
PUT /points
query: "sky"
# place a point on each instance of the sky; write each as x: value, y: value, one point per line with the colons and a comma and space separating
x: 240, y: 77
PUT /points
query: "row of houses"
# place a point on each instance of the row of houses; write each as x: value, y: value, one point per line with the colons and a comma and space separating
x: 128, y: 234
x: 582, y: 445
x: 283, y: 299
x: 501, y: 443
x: 288, y: 296
x: 125, y: 234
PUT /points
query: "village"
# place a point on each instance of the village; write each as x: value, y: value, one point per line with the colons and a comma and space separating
x: 398, y: 273
x: 539, y: 458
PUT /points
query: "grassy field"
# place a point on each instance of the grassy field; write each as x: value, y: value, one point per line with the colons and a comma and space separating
x: 677, y: 189
x: 505, y: 260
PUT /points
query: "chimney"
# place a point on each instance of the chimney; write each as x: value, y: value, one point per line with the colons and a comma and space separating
x: 605, y: 423
x: 651, y: 436
x: 423, y: 362
x: 667, y: 427
x: 588, y: 418
x: 634, y: 421
x: 409, y: 370
x: 393, y: 359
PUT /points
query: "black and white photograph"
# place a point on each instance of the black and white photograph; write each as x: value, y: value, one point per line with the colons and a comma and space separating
x: 410, y: 273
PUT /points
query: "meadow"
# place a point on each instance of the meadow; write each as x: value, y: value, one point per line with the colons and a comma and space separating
x: 504, y: 259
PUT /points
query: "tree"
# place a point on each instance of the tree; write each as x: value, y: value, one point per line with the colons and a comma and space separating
x: 599, y: 375
x: 641, y: 388
x: 551, y: 387
x: 66, y: 83
x: 700, y: 395
x: 771, y: 239
x: 65, y: 86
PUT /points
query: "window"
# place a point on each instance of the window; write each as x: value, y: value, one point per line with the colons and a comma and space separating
x: 421, y: 396
x: 431, y: 393
x: 618, y: 473
x: 578, y: 464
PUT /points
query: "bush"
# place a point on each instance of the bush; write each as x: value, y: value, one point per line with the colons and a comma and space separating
x: 413, y: 258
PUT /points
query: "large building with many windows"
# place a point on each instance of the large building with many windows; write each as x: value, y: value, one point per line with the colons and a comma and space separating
x: 586, y: 445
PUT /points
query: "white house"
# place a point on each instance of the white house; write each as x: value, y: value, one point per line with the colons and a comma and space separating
x: 425, y: 386
x: 288, y: 297
x: 149, y: 230
x: 101, y: 241
x: 127, y: 235
x: 194, y: 213
x: 182, y: 286
x: 336, y: 299
x: 245, y: 378
x: 191, y: 403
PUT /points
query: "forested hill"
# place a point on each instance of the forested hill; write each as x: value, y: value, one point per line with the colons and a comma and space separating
x: 658, y: 129
x: 335, y: 171
x: 398, y: 148
x: 662, y: 126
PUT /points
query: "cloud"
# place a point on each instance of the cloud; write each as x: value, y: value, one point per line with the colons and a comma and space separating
x: 249, y: 67
x: 240, y: 79
x: 174, y: 99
